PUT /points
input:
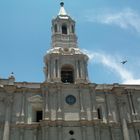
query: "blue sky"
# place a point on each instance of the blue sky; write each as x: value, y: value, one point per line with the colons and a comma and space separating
x: 108, y: 31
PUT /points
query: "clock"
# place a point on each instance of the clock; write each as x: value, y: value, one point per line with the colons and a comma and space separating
x: 70, y: 99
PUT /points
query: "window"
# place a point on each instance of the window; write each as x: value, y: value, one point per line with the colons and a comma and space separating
x: 67, y: 75
x: 71, y: 132
x: 99, y: 111
x: 70, y: 99
x: 38, y: 116
x: 64, y: 29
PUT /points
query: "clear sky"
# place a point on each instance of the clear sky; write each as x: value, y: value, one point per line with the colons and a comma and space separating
x: 108, y: 31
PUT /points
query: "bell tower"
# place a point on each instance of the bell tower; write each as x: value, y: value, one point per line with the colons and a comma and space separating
x: 65, y: 62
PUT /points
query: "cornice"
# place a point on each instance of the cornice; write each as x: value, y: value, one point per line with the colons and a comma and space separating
x: 57, y: 123
x: 10, y: 89
x: 25, y: 125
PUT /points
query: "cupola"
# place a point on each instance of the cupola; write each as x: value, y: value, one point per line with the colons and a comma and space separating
x: 65, y: 62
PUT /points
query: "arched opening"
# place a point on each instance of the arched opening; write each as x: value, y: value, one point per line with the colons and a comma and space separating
x: 67, y: 74
x: 55, y: 28
x: 64, y: 29
x: 39, y: 115
x: 99, y: 111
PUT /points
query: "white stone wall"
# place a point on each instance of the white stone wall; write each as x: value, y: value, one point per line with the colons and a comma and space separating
x: 119, y: 120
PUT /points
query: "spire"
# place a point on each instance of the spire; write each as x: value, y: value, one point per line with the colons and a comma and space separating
x: 62, y: 11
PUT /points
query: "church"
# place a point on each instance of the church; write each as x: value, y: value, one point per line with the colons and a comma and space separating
x: 67, y: 106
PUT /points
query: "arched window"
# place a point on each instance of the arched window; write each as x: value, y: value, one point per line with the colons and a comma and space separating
x: 67, y: 74
x: 55, y: 27
x: 64, y: 29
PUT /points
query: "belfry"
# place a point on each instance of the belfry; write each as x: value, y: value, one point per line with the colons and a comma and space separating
x: 64, y: 61
x: 67, y: 106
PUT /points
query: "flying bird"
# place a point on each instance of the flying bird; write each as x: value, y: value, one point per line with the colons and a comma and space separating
x: 123, y: 62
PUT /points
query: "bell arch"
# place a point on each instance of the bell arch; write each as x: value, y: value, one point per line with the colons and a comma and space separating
x: 64, y: 29
x: 67, y: 74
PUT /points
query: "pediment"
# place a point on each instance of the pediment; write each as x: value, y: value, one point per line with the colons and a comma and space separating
x: 99, y: 99
x: 36, y: 99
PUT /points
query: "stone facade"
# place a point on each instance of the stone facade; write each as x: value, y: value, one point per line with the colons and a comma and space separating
x: 66, y: 106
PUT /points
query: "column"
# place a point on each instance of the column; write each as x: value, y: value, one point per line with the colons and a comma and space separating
x: 43, y: 132
x: 82, y: 112
x: 123, y: 120
x: 22, y: 115
x: 110, y: 117
x: 93, y: 102
x: 133, y: 106
x: 34, y: 134
x: 6, y: 132
x: 49, y: 70
x: 97, y: 132
x: 59, y: 109
x: 58, y: 72
x: 84, y: 136
x: 77, y: 72
x: 59, y: 132
x: 94, y: 132
x: 47, y: 114
x: 29, y: 113
x: 136, y: 133
x: 104, y: 114
x: 54, y: 70
x: 21, y: 134
x: 81, y: 68
x: 47, y: 134
x: 86, y: 69
x: 125, y: 130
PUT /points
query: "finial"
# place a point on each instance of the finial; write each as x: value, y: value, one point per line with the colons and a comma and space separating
x: 11, y: 75
x: 62, y: 11
x: 61, y: 4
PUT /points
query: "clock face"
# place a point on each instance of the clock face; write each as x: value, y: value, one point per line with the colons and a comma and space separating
x: 70, y: 99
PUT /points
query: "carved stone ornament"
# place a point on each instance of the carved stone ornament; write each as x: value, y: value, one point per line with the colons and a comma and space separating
x: 10, y: 88
x: 36, y: 101
x: 36, y: 98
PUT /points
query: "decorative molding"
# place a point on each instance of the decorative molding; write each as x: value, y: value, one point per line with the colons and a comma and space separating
x: 10, y: 88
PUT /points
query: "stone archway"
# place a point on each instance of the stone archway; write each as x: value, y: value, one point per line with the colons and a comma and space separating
x: 67, y: 74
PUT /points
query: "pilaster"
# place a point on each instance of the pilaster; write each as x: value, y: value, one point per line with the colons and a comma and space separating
x: 21, y: 134
x: 47, y: 112
x: 82, y: 111
x: 22, y: 114
x: 8, y: 106
x: 60, y: 136
x: 59, y: 108
x: 93, y: 103
x: 84, y: 133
